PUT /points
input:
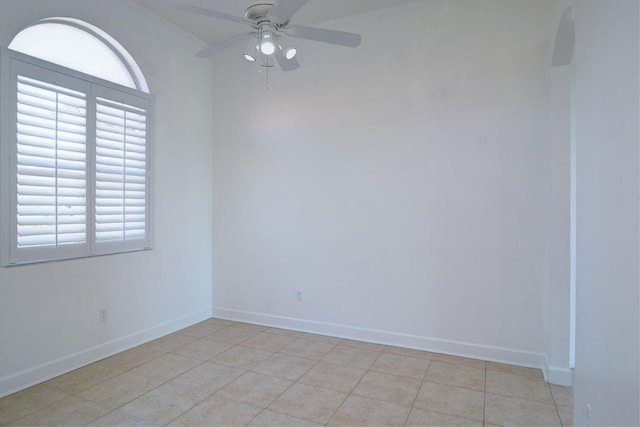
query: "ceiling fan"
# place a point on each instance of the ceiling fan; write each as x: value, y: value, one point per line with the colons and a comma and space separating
x: 269, y: 22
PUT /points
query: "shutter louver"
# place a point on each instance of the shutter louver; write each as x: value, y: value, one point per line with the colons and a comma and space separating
x: 51, y: 164
x: 121, y: 172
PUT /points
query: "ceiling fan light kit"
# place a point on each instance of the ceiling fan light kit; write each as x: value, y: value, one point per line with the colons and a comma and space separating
x: 270, y: 25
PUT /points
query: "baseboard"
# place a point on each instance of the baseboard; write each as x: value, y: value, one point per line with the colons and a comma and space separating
x: 557, y: 375
x: 455, y: 348
x: 32, y: 376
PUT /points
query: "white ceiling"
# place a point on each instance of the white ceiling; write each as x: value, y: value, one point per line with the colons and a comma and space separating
x: 212, y: 31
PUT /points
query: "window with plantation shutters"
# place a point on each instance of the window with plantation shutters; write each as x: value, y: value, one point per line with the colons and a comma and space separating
x: 75, y: 164
x: 51, y: 165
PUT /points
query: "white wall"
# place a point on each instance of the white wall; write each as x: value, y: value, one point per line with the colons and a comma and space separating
x: 49, y: 319
x: 401, y: 187
x: 607, y: 372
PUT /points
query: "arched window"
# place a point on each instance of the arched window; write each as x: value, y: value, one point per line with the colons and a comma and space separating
x: 80, y: 46
x: 78, y: 120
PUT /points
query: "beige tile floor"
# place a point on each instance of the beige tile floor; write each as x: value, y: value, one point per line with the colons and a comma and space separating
x: 225, y: 373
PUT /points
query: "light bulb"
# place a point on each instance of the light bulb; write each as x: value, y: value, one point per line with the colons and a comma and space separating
x: 267, y: 46
x: 290, y: 52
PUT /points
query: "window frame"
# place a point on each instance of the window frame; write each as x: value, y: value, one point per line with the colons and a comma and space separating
x: 10, y: 63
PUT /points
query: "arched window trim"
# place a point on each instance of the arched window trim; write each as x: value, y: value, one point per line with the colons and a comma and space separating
x: 121, y: 53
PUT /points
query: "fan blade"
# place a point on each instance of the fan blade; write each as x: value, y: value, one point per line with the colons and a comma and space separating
x: 212, y: 13
x: 283, y: 10
x: 219, y: 47
x: 326, y: 36
x: 285, y: 64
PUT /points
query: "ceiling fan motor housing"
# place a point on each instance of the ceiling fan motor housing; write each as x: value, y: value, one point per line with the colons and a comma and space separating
x: 257, y: 14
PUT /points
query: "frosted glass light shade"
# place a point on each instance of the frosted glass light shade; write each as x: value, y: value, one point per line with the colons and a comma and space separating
x: 267, y: 45
x: 250, y: 53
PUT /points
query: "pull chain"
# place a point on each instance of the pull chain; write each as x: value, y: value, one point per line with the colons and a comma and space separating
x: 264, y: 69
x: 267, y: 86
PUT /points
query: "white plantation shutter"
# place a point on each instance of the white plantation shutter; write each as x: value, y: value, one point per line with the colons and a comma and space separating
x: 51, y: 164
x: 76, y: 165
x: 121, y: 172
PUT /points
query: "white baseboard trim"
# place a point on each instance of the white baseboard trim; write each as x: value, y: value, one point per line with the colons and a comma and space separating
x: 436, y: 345
x: 32, y: 376
x: 557, y: 375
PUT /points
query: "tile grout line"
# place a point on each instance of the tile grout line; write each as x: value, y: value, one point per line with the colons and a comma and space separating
x: 173, y: 378
x: 41, y: 408
x: 203, y: 362
x: 294, y: 382
x: 160, y: 385
x: 555, y: 403
x: 411, y: 408
x: 484, y: 398
x: 77, y: 394
x: 349, y: 394
x: 456, y: 386
x: 110, y: 410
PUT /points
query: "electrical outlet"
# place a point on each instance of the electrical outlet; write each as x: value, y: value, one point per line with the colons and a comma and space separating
x: 103, y: 315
